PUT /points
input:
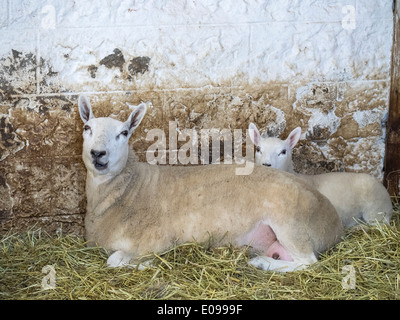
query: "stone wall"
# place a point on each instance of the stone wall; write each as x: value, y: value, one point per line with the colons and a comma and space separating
x: 322, y: 65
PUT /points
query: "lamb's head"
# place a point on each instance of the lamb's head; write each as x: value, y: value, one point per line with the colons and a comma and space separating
x: 274, y: 152
x: 105, y: 140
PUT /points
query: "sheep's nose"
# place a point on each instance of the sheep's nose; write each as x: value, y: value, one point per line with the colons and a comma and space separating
x: 267, y: 164
x: 97, y: 154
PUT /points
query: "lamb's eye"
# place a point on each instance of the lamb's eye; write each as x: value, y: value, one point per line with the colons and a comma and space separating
x: 258, y: 149
x: 125, y: 133
x: 86, y: 127
x: 283, y: 152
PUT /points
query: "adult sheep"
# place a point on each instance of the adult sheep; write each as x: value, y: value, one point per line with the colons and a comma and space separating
x: 135, y: 208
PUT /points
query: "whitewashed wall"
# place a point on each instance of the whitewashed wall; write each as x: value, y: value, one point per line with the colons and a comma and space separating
x: 323, y: 65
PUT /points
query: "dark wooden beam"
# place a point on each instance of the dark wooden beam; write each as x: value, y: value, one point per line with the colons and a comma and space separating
x: 392, y: 158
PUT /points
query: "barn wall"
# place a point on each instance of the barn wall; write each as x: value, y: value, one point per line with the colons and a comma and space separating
x: 322, y: 65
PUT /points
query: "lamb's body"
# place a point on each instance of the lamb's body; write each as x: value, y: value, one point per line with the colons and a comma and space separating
x: 136, y: 208
x: 355, y: 196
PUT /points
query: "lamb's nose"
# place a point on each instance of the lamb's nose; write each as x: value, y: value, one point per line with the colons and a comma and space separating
x: 97, y: 154
x: 267, y: 164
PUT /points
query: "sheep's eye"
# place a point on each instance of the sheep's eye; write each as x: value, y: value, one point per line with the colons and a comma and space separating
x: 258, y: 149
x: 86, y: 127
x: 125, y: 133
x: 283, y: 152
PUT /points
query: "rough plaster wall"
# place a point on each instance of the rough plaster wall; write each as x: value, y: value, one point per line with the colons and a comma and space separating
x: 322, y: 65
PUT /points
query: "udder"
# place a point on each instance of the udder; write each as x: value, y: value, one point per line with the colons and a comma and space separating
x: 263, y: 238
x: 278, y: 252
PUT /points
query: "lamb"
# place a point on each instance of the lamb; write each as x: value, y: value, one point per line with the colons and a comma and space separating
x: 136, y: 208
x: 356, y: 196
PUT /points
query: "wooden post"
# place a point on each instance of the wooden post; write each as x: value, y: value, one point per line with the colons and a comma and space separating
x: 392, y: 158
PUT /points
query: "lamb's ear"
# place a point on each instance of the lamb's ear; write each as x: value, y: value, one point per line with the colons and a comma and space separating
x: 294, y: 137
x: 254, y: 134
x: 85, y: 109
x: 136, y: 116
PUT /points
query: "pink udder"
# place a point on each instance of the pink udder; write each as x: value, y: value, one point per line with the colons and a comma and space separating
x: 263, y: 238
x: 278, y: 252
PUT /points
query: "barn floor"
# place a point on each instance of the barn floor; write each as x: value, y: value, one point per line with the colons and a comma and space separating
x: 365, y: 265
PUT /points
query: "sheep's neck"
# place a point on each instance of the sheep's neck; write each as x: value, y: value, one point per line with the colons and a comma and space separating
x: 290, y: 167
x: 102, y: 191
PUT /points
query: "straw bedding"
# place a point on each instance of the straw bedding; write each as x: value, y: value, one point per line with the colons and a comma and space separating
x: 365, y: 265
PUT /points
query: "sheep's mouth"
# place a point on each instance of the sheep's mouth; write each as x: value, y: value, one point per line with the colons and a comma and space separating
x: 100, y: 166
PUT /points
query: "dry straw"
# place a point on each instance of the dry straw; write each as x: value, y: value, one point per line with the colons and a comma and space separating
x: 365, y: 265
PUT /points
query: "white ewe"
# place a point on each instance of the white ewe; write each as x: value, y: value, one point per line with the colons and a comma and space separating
x: 136, y: 208
x: 356, y: 196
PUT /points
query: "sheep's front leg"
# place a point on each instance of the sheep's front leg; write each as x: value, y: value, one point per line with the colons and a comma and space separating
x: 121, y: 259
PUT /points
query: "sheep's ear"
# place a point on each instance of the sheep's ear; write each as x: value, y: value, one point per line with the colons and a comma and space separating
x: 294, y: 137
x: 136, y: 116
x: 254, y: 134
x: 85, y: 109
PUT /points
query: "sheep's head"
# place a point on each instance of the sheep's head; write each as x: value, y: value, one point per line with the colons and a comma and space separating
x: 274, y: 152
x: 105, y: 140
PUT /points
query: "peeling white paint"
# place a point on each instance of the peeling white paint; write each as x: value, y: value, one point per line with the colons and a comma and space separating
x: 366, y: 117
x: 324, y: 120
